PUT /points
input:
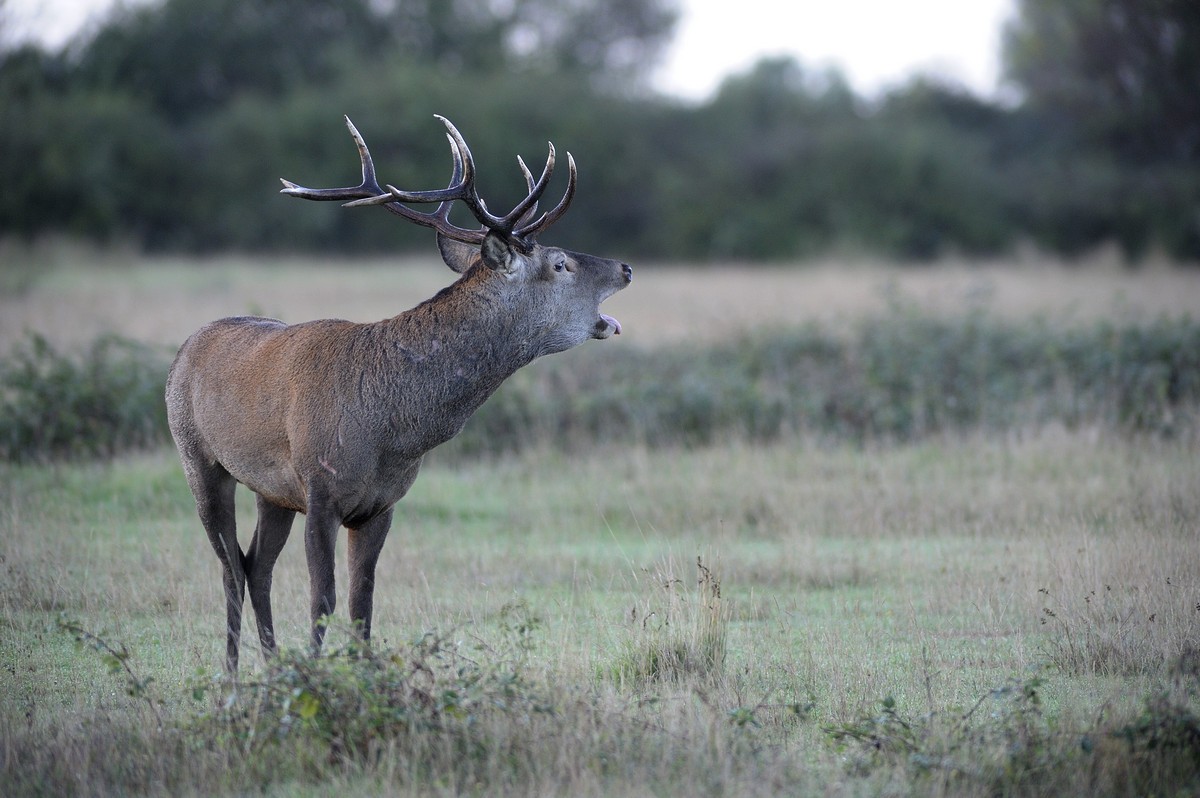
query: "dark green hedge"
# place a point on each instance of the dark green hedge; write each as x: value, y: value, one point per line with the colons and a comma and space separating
x: 899, y: 377
x: 99, y: 402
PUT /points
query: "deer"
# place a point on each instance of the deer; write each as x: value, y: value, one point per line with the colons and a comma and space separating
x: 332, y: 418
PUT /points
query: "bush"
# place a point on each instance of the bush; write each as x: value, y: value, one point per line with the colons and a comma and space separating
x: 427, y: 699
x: 902, y: 377
x: 104, y: 401
x: 1016, y: 748
x: 438, y: 715
x: 677, y: 633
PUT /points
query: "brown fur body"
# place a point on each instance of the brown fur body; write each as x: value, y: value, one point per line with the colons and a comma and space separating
x: 331, y: 418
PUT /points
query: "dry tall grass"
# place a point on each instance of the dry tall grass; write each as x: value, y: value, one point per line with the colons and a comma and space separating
x: 72, y: 296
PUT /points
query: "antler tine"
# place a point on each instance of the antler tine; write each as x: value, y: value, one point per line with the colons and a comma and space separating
x: 442, y: 214
x: 532, y: 230
x: 529, y: 183
x: 369, y: 187
x: 515, y: 225
x: 391, y: 198
x: 368, y: 192
x: 526, y: 206
x: 470, y: 196
x: 525, y: 171
x: 368, y: 163
x: 461, y: 184
x: 464, y: 162
x: 462, y: 187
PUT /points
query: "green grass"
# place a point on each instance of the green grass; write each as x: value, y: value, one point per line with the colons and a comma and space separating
x: 966, y: 615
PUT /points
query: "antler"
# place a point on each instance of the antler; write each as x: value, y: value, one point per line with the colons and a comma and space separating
x: 518, y: 225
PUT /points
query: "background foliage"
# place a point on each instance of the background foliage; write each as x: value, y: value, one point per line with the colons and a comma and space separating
x: 902, y: 377
x: 166, y: 125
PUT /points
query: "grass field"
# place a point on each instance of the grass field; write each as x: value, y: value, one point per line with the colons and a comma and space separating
x: 1001, y: 614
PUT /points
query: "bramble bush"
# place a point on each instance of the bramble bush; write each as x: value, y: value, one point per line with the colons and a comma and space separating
x: 99, y: 402
x: 899, y: 377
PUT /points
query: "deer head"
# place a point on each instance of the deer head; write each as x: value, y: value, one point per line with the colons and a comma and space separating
x: 567, y: 287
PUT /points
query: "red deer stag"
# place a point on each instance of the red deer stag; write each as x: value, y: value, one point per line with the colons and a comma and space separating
x: 331, y: 418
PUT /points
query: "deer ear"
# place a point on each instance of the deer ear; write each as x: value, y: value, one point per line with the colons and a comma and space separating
x: 457, y: 255
x: 499, y: 254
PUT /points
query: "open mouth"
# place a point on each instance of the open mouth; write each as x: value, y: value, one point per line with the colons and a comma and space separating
x: 606, y: 326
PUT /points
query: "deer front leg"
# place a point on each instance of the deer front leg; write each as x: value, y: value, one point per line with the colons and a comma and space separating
x: 274, y: 527
x: 320, y: 537
x: 365, y: 543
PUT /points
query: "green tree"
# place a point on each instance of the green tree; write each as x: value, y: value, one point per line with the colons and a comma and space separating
x: 614, y: 41
x: 1121, y: 73
x: 177, y: 117
x: 189, y: 57
x: 1111, y: 86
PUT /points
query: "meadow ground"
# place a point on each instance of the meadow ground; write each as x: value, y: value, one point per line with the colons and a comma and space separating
x: 968, y: 614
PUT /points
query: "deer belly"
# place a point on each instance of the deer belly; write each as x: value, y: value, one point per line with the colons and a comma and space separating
x: 280, y: 485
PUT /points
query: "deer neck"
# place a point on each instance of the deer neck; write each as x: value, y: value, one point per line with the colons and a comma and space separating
x: 468, y: 338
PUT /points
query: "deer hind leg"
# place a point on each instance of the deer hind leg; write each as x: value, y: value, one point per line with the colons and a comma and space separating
x: 274, y: 527
x: 320, y: 536
x: 365, y: 543
x: 213, y: 488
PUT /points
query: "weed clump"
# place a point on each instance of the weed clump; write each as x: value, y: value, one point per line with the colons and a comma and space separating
x: 1008, y: 744
x: 1163, y: 742
x: 1116, y: 631
x: 677, y: 632
x: 353, y: 704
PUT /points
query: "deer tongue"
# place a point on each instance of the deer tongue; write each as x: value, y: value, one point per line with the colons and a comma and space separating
x: 616, y: 325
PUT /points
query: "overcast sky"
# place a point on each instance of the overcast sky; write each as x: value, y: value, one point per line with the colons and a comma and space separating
x: 876, y: 43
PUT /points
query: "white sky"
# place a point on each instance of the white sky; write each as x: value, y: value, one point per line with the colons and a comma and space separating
x: 876, y: 43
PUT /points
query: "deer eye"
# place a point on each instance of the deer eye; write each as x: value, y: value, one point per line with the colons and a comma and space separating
x: 559, y: 265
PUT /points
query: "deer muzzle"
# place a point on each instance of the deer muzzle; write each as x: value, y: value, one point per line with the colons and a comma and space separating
x: 606, y: 325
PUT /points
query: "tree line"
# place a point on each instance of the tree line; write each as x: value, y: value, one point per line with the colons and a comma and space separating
x: 167, y: 126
